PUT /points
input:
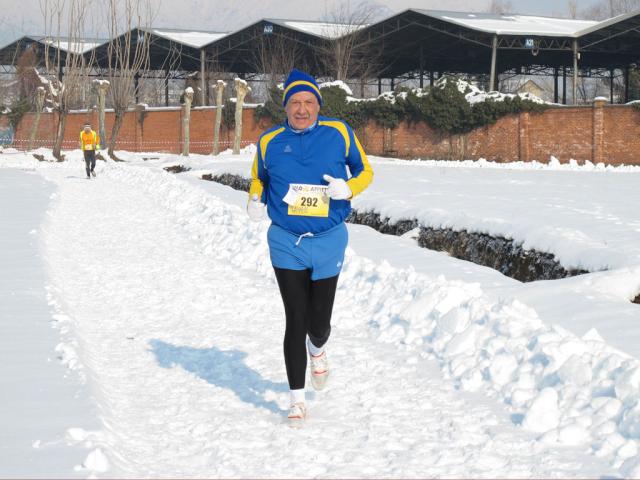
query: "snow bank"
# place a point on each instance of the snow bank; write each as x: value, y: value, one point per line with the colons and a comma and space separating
x: 337, y: 83
x: 568, y: 390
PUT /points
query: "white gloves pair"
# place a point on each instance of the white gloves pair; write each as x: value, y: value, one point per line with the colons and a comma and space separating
x: 337, y: 189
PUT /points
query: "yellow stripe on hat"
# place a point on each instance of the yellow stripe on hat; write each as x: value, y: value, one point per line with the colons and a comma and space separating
x: 301, y: 82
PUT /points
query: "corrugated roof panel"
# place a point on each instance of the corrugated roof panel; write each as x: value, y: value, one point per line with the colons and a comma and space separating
x: 320, y: 29
x: 191, y: 38
x: 512, y: 24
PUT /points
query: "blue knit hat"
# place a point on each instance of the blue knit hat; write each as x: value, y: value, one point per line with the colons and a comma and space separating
x: 298, y: 81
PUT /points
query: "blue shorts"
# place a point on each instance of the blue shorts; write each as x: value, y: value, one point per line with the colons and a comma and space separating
x: 322, y: 253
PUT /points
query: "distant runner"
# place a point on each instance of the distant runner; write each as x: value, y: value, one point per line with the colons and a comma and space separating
x: 304, y: 175
x: 89, y: 143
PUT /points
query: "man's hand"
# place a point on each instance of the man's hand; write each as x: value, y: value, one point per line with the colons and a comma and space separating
x: 256, y: 209
x: 338, y: 188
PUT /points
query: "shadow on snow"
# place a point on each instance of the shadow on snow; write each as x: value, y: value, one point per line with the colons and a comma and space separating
x: 222, y: 368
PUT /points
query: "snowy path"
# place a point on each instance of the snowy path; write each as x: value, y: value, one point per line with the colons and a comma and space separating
x: 182, y: 351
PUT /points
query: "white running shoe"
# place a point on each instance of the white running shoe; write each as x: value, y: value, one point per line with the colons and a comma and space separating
x: 297, y: 415
x: 319, y: 369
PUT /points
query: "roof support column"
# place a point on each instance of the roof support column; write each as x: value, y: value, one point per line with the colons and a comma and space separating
x: 203, y: 82
x: 166, y: 89
x: 421, y: 68
x: 494, y: 55
x: 379, y: 86
x: 431, y: 78
x: 576, y: 54
x: 611, y: 85
x: 555, y: 85
x: 626, y: 84
x: 564, y: 85
x: 136, y: 86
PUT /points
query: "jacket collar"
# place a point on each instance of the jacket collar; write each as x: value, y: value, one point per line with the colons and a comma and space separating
x: 306, y: 130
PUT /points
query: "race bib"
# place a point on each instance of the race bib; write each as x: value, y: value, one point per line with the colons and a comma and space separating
x: 307, y: 200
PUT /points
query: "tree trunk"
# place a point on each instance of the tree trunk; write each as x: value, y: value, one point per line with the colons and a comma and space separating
x: 102, y: 93
x: 219, y: 88
x: 186, y: 118
x: 117, y: 123
x: 457, y: 146
x: 241, y: 91
x: 57, y: 146
x: 36, y: 121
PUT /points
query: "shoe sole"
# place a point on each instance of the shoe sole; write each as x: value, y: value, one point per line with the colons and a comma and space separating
x: 296, y: 422
x: 319, y: 381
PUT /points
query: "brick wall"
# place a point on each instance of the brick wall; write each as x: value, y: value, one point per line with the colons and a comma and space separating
x: 142, y: 131
x: 599, y: 133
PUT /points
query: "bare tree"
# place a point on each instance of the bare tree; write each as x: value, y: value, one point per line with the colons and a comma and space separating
x: 66, y: 59
x: 609, y: 8
x: 347, y: 53
x: 500, y: 6
x: 276, y: 55
x: 171, y: 64
x: 25, y: 72
x: 128, y: 57
x: 618, y: 7
x: 572, y: 8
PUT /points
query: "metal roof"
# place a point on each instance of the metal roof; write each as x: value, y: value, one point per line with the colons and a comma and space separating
x: 607, y: 23
x: 10, y: 53
x: 169, y: 48
x: 409, y: 41
x: 79, y: 46
x: 190, y: 38
x: 325, y: 30
x: 456, y: 42
x: 512, y: 24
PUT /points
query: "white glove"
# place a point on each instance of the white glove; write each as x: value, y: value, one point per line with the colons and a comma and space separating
x: 256, y: 209
x: 338, y: 188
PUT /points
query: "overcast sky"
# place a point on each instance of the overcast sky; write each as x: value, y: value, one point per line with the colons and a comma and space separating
x: 20, y: 17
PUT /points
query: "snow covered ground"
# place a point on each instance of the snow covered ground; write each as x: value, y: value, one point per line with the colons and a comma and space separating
x: 38, y: 396
x: 441, y: 367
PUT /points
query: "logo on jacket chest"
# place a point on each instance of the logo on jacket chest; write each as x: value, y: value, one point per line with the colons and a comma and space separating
x: 287, y: 149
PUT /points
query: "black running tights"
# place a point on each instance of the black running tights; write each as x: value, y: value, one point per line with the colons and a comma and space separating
x: 307, y: 305
x: 90, y: 160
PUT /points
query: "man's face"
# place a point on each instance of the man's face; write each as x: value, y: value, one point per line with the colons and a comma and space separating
x: 87, y: 129
x: 302, y: 110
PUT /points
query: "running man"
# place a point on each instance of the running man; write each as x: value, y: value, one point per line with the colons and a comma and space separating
x: 304, y: 175
x: 89, y: 143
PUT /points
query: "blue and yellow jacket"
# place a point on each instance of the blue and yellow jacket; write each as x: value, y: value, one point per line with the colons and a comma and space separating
x: 287, y: 157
